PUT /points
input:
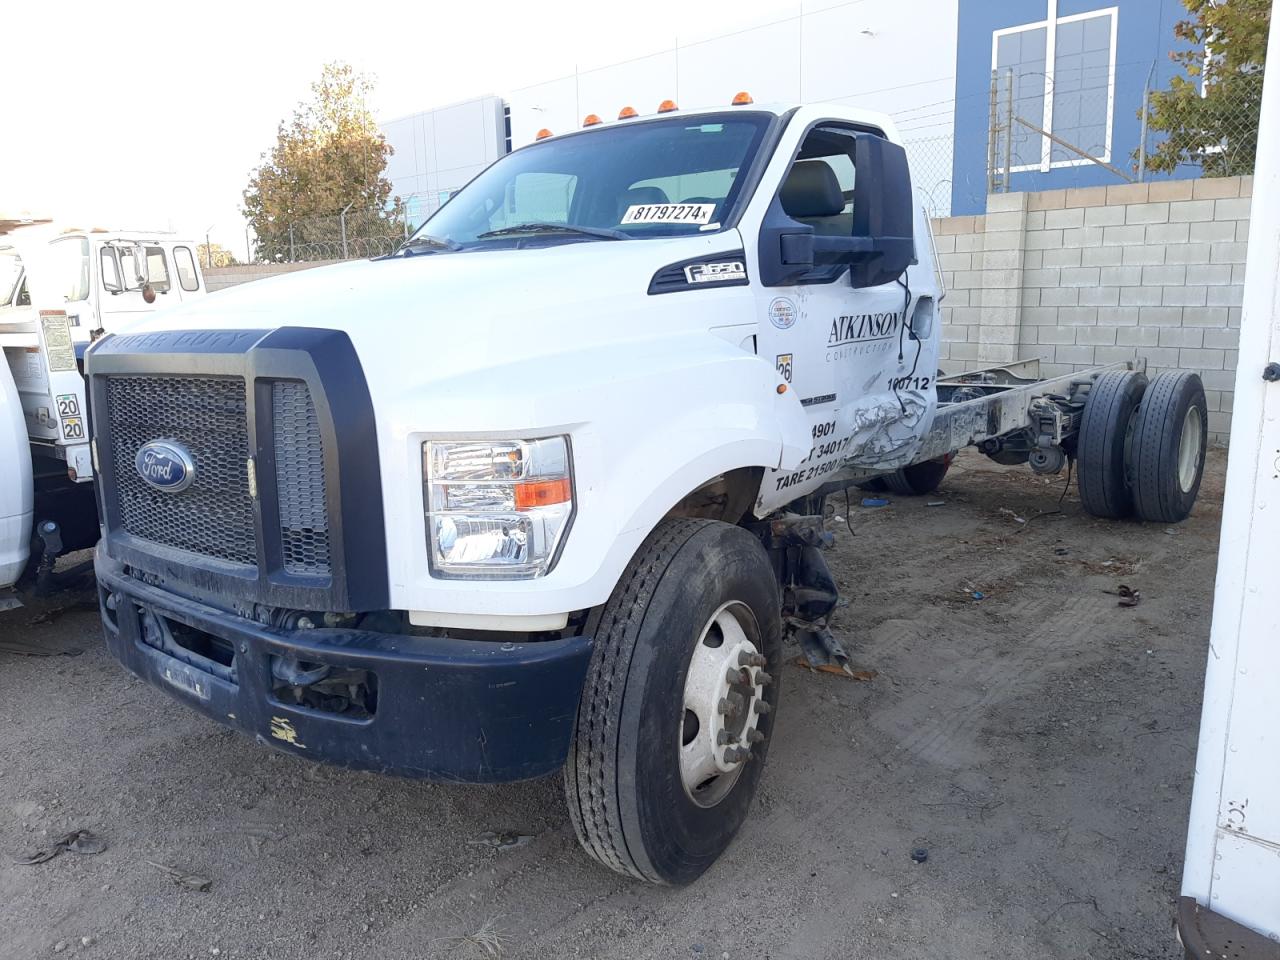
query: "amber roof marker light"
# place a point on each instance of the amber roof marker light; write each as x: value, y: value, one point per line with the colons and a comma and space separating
x: 666, y: 106
x: 591, y: 120
x: 626, y: 113
x: 543, y: 134
x: 741, y: 99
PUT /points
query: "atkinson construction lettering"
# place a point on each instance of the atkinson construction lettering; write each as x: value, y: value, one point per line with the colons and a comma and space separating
x: 863, y: 327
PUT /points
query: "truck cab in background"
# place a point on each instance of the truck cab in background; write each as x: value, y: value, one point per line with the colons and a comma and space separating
x: 59, y: 290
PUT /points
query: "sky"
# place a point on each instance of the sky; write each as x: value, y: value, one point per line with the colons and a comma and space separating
x: 149, y: 116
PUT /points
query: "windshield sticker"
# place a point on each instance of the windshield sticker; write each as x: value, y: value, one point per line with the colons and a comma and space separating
x: 782, y: 313
x: 669, y: 213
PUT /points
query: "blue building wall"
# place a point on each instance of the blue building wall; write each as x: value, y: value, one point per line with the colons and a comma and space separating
x: 1143, y: 39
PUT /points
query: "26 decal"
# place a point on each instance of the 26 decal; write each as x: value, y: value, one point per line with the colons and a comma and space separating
x: 783, y: 364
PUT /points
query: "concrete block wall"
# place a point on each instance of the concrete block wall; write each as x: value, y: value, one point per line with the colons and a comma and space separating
x: 219, y: 278
x: 1090, y: 276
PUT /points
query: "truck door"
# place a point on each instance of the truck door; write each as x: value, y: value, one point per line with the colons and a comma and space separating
x: 71, y: 276
x: 848, y: 353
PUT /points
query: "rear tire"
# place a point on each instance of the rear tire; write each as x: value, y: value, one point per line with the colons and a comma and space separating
x: 625, y: 779
x: 1103, y: 477
x: 918, y: 479
x: 1170, y: 438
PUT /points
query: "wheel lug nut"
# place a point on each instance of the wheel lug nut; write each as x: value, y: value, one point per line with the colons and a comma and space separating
x: 746, y: 659
x: 726, y: 707
x: 723, y: 737
x: 763, y: 679
x: 736, y: 754
x: 754, y: 736
x: 733, y: 676
x: 761, y: 707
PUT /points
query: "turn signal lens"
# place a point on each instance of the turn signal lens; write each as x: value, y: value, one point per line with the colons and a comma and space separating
x: 741, y: 99
x: 542, y: 493
x: 666, y: 106
x: 591, y: 120
x: 543, y: 134
x: 626, y: 113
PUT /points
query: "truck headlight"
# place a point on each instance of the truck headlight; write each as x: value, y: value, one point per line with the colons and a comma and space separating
x: 496, y: 509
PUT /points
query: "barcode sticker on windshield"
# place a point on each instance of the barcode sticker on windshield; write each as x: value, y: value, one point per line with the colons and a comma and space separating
x: 669, y: 213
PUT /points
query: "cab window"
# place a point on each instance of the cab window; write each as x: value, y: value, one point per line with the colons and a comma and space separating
x: 71, y: 267
x: 157, y: 269
x: 818, y: 189
x: 109, y: 268
x: 185, y: 265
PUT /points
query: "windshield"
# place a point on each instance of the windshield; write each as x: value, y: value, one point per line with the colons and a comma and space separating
x: 658, y: 178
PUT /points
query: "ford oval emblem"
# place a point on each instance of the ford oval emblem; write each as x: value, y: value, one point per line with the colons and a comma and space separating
x: 165, y: 465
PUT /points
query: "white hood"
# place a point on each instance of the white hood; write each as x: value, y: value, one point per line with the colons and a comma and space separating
x: 447, y: 313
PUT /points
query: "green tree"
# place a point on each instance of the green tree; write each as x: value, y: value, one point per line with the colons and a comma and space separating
x: 215, y: 255
x: 330, y: 157
x: 1216, y: 130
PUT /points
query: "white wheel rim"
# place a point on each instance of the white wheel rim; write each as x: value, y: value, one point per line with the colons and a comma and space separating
x: 725, y: 716
x: 1189, y: 449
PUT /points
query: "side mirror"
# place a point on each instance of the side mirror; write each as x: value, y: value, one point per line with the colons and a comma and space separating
x: 882, y: 211
x: 881, y: 245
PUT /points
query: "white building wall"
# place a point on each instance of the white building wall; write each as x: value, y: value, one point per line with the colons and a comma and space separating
x: 439, y: 150
x: 897, y: 56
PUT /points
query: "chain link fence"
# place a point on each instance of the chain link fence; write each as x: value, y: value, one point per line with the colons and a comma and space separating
x: 1040, y: 124
x: 931, y: 159
x: 350, y: 234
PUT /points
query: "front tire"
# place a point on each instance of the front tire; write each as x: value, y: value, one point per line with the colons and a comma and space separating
x: 678, y: 654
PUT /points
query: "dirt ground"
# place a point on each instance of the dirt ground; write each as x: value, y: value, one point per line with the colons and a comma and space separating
x: 1033, y: 736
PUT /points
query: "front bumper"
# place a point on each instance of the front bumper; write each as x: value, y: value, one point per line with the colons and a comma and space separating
x: 440, y: 708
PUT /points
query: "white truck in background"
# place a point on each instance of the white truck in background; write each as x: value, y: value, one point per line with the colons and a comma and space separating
x: 545, y: 489
x: 61, y: 288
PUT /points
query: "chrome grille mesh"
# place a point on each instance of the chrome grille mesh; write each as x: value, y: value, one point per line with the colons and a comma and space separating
x: 212, y: 517
x: 300, y: 483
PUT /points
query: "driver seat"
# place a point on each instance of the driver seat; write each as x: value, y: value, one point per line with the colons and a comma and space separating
x: 811, y: 194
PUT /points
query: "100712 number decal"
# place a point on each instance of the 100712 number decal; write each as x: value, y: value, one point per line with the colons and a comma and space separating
x: 910, y: 383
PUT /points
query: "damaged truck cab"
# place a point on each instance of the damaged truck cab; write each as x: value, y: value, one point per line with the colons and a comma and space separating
x: 540, y: 490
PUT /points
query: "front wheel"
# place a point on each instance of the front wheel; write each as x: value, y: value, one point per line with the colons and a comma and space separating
x: 676, y: 711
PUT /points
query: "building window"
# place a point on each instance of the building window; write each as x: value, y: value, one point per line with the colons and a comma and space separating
x: 1063, y: 73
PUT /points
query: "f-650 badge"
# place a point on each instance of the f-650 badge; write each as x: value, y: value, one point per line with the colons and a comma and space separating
x: 715, y: 272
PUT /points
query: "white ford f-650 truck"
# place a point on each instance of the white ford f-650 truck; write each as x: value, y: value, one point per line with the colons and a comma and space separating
x: 544, y: 489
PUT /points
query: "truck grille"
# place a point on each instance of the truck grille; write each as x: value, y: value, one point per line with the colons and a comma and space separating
x: 213, y: 517
x: 300, y: 485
